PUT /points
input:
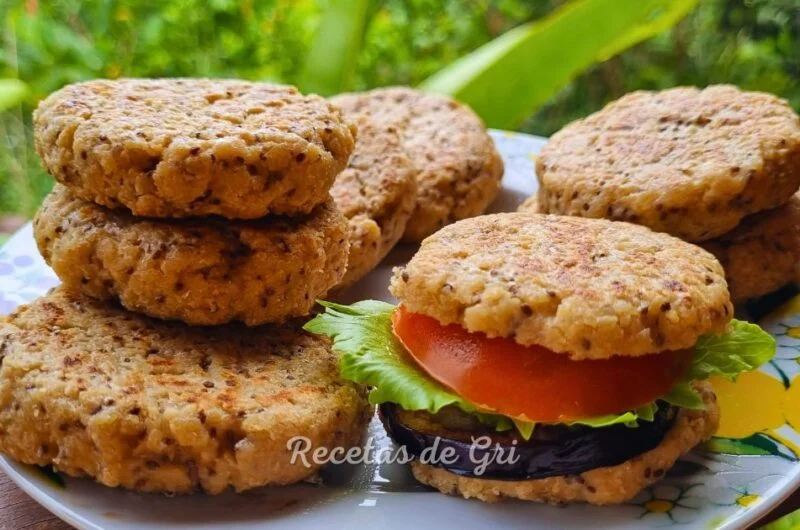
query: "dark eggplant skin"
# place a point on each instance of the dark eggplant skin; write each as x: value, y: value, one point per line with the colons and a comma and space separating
x: 556, y: 450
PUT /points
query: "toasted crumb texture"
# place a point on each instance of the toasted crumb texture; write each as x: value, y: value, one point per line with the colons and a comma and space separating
x: 459, y: 169
x: 762, y: 254
x: 161, y: 407
x: 192, y: 147
x: 606, y: 485
x: 377, y: 193
x: 531, y: 205
x: 203, y: 272
x: 589, y: 288
x: 685, y: 161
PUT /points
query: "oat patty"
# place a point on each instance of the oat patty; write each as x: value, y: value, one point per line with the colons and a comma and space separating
x: 162, y: 407
x: 530, y: 205
x: 376, y: 193
x: 762, y: 254
x: 204, y: 272
x: 685, y: 161
x: 191, y: 147
x: 605, y: 485
x: 589, y: 288
x: 459, y: 169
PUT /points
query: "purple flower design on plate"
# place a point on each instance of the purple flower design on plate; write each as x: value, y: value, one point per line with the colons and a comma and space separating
x: 6, y: 268
x: 7, y: 306
x: 23, y: 261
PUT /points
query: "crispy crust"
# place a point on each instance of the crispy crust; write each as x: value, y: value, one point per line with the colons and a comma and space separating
x: 203, y: 272
x: 589, y: 288
x: 459, y: 169
x: 608, y: 485
x: 161, y: 407
x: 762, y: 254
x: 191, y: 147
x: 685, y: 161
x: 376, y: 193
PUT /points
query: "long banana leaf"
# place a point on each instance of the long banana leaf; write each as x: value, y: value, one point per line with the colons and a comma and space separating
x: 787, y: 522
x: 510, y: 77
x: 331, y: 62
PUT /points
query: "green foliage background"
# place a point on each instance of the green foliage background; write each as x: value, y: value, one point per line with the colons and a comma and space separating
x: 49, y: 43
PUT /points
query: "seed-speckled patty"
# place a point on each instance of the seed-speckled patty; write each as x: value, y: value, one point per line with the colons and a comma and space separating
x: 762, y: 254
x: 377, y: 193
x: 605, y: 485
x: 685, y: 161
x: 203, y: 272
x: 459, y: 169
x: 192, y: 147
x: 588, y: 288
x: 161, y: 407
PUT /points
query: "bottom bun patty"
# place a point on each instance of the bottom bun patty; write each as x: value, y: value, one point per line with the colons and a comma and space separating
x: 605, y: 485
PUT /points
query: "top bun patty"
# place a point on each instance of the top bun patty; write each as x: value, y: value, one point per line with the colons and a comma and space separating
x: 588, y: 288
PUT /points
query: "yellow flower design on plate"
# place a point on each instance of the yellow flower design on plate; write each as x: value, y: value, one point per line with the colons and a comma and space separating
x: 742, y: 415
x: 667, y: 504
x: 747, y: 500
x: 752, y: 408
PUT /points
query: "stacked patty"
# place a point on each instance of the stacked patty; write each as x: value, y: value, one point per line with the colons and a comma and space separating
x: 698, y: 164
x: 458, y: 169
x: 190, y: 203
x: 204, y: 201
x: 376, y: 193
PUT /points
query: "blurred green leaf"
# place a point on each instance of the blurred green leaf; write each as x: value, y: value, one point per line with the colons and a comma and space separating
x: 508, y: 78
x: 12, y: 93
x: 332, y: 59
x: 787, y: 522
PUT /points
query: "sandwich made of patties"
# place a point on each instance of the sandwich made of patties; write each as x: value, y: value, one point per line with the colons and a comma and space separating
x: 582, y: 344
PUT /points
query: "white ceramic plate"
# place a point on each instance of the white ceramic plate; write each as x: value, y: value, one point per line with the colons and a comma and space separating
x: 729, y: 484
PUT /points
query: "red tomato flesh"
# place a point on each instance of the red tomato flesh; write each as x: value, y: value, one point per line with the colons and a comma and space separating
x: 531, y: 382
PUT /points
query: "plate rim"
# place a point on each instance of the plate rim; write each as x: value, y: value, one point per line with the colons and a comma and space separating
x: 39, y: 494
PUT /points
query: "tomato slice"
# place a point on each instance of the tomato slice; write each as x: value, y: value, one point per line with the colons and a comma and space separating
x: 531, y: 382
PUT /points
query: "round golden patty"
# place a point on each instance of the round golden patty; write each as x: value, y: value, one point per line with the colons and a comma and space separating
x: 762, y: 254
x: 458, y: 168
x: 605, y: 485
x: 589, y: 288
x: 376, y: 193
x: 203, y: 272
x: 191, y: 147
x: 162, y: 407
x: 685, y: 161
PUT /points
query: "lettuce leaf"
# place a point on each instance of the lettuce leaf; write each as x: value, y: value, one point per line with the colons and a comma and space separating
x: 683, y: 395
x: 742, y: 348
x: 372, y: 355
